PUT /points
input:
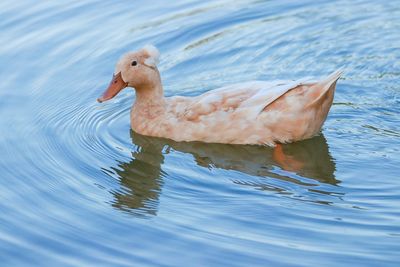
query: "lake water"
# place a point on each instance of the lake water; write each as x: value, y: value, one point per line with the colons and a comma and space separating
x: 78, y: 188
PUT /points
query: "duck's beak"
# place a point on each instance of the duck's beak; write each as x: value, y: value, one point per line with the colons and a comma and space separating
x: 116, y: 85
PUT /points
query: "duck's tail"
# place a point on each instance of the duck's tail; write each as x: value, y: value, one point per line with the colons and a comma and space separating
x: 326, y: 87
x: 332, y: 78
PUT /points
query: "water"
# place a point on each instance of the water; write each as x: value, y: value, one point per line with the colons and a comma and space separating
x: 78, y: 188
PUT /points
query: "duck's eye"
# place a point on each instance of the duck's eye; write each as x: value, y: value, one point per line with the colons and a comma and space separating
x: 134, y: 63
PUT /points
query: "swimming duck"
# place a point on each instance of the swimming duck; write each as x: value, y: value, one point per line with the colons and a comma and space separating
x: 257, y: 112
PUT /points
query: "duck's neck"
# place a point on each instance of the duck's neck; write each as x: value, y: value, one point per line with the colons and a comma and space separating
x: 150, y: 96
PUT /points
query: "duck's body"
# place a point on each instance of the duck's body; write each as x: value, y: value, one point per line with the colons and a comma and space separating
x: 256, y: 112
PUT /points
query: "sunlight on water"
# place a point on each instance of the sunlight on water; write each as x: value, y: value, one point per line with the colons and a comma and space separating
x: 79, y: 188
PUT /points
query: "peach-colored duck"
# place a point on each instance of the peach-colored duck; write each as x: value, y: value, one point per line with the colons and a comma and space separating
x: 257, y: 112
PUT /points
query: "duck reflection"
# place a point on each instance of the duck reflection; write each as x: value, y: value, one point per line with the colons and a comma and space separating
x: 143, y: 175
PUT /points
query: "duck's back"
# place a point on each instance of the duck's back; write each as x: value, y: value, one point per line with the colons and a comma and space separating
x: 256, y: 112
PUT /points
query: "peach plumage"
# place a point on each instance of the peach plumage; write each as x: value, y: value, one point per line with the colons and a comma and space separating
x: 256, y: 112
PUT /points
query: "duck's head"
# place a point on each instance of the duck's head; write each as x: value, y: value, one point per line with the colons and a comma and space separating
x: 134, y: 69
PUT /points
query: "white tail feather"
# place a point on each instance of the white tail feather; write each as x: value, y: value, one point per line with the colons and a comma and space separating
x: 330, y: 79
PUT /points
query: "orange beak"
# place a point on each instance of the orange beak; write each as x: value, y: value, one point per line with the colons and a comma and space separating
x: 116, y: 85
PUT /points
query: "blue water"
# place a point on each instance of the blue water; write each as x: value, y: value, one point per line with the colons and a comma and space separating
x: 78, y: 188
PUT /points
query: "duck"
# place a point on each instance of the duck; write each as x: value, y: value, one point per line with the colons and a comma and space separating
x: 248, y: 113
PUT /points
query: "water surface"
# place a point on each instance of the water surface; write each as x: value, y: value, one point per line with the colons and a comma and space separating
x: 78, y: 188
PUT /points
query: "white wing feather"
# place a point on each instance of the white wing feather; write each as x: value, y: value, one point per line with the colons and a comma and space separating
x: 250, y: 97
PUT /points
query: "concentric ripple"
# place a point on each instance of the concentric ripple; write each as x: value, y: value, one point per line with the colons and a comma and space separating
x: 79, y: 188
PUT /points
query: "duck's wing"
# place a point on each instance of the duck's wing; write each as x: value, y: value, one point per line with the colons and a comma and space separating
x: 250, y: 97
x: 254, y: 105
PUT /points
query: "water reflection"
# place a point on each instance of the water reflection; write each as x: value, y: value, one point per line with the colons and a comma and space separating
x: 143, y: 175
